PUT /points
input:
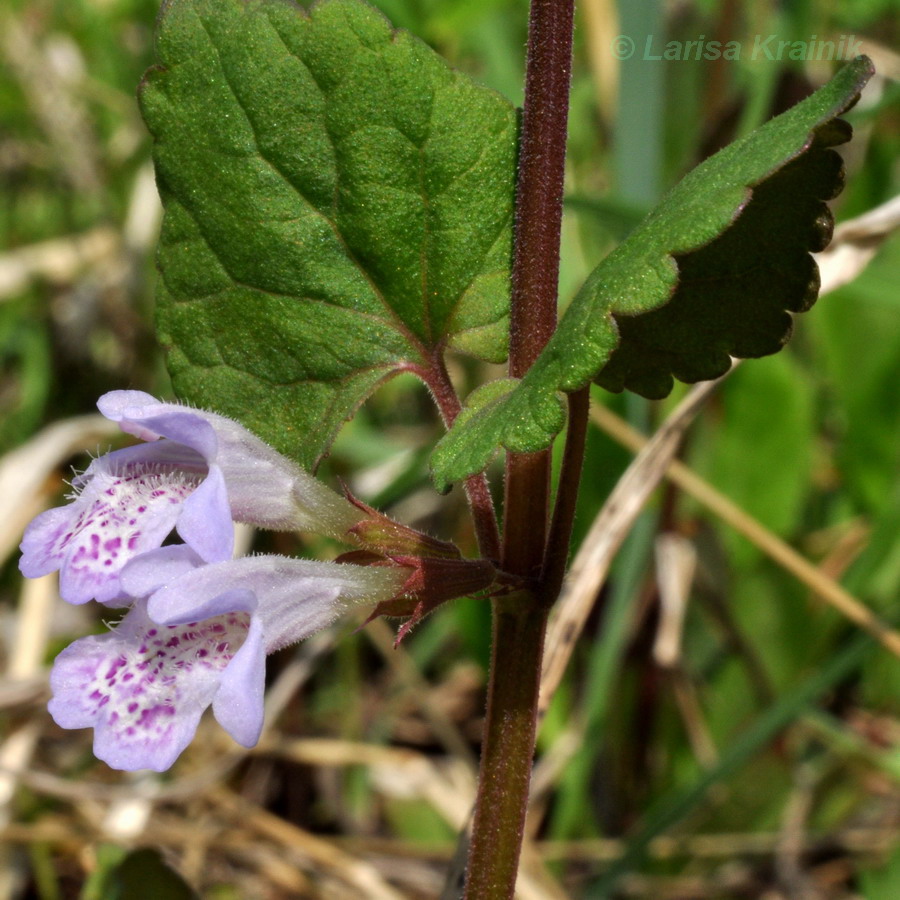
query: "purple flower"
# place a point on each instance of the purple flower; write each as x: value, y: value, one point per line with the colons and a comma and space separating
x: 264, y: 488
x: 199, y: 639
x: 143, y: 687
x: 201, y: 472
x: 126, y: 503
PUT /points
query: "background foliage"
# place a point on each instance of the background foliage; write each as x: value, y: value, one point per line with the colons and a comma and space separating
x: 808, y: 442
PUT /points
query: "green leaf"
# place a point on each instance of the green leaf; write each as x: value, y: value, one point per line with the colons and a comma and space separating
x: 476, y: 422
x: 712, y: 272
x: 337, y: 209
x: 140, y: 874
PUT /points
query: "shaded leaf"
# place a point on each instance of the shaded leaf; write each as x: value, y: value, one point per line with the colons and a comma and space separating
x: 144, y: 875
x: 714, y: 271
x: 734, y: 295
x: 338, y: 206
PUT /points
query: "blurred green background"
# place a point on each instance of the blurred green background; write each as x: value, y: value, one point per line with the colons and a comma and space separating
x: 775, y: 735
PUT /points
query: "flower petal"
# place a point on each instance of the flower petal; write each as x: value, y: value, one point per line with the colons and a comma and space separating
x: 156, y: 568
x: 118, y: 405
x: 239, y: 703
x: 205, y: 520
x: 264, y: 488
x: 150, y: 457
x: 297, y: 597
x: 128, y: 504
x: 143, y: 687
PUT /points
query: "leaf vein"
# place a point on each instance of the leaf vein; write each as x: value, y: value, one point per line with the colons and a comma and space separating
x: 393, y: 317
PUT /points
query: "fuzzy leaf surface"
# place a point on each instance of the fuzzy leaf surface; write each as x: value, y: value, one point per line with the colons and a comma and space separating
x: 338, y: 208
x: 714, y: 271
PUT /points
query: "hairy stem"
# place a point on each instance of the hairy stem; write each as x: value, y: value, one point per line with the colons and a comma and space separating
x: 520, y: 619
x: 556, y: 556
x: 478, y: 490
x: 519, y: 626
x: 535, y: 272
x: 539, y: 187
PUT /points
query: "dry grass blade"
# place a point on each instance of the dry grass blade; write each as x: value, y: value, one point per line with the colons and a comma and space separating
x: 22, y: 691
x: 62, y: 260
x: 601, y: 24
x: 51, y: 72
x: 25, y: 470
x: 854, y: 244
x: 885, y: 58
x: 322, y: 854
x: 872, y: 840
x: 141, y: 227
x: 676, y: 560
x: 38, y: 598
x: 383, y: 638
x: 58, y: 260
x: 612, y: 524
x: 789, y: 559
x: 449, y: 790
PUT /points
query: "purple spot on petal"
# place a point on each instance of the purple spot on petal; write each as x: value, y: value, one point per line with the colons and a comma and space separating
x: 151, y: 677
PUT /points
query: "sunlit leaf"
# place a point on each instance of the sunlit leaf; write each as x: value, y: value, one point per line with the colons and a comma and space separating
x: 337, y: 209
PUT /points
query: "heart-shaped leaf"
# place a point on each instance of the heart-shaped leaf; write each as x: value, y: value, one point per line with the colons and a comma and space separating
x: 337, y: 209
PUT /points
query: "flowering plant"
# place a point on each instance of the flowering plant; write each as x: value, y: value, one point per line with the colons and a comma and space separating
x: 340, y: 207
x: 199, y: 638
x: 199, y: 624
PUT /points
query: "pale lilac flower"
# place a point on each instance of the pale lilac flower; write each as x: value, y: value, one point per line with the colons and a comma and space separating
x: 200, y: 639
x: 126, y: 503
x: 143, y: 687
x: 265, y: 488
x: 201, y: 471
